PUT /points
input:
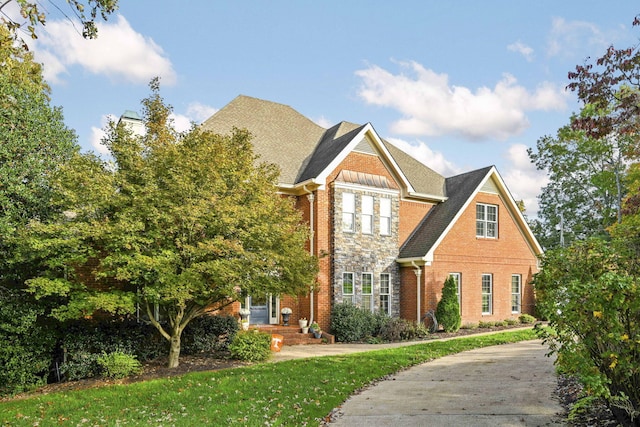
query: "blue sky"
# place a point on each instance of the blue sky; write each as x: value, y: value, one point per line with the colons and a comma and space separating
x: 459, y: 84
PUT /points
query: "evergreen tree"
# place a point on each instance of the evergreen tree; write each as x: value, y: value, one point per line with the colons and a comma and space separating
x: 448, y: 309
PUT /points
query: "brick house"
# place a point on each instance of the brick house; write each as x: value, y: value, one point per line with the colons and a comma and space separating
x: 387, y: 229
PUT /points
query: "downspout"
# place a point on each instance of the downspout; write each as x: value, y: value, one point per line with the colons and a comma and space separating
x: 418, y: 272
x: 311, y: 198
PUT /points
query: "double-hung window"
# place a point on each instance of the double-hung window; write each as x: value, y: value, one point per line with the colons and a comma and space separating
x: 348, y: 212
x: 367, y: 291
x: 367, y: 215
x: 516, y: 293
x: 457, y: 279
x: 385, y: 291
x: 486, y: 220
x: 385, y: 216
x: 487, y: 294
x: 347, y: 288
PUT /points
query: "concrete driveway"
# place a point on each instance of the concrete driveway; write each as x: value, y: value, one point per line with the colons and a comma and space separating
x: 505, y: 385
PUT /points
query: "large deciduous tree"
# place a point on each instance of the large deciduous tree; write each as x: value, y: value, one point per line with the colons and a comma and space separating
x: 586, y: 183
x: 34, y: 142
x: 184, y: 222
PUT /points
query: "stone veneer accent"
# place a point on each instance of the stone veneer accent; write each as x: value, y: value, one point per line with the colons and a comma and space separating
x: 357, y: 253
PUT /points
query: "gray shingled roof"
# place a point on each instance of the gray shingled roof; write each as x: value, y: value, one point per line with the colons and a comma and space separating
x: 303, y: 149
x: 281, y: 135
x: 459, y: 188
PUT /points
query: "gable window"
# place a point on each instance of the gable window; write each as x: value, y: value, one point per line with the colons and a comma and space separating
x: 457, y: 277
x: 367, y: 291
x: 367, y: 215
x: 486, y: 220
x: 385, y: 290
x: 347, y: 288
x: 487, y: 294
x: 385, y: 216
x: 516, y: 293
x: 348, y: 212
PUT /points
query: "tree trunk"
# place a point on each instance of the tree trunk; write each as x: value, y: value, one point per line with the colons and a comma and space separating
x: 174, y: 350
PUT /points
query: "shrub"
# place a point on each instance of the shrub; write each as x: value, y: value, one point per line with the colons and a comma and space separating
x: 118, y: 365
x: 350, y: 323
x: 27, y: 347
x: 590, y: 294
x: 487, y: 324
x: 448, y: 308
x: 469, y: 325
x: 510, y: 322
x: 208, y: 333
x: 85, y: 340
x: 527, y: 319
x: 251, y: 346
x: 499, y: 323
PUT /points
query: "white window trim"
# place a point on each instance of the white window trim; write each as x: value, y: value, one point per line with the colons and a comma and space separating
x: 518, y: 294
x: 387, y: 294
x: 366, y: 214
x: 351, y: 213
x: 486, y: 222
x: 353, y: 287
x: 385, y: 226
x: 490, y: 294
x: 458, y: 278
x: 370, y: 275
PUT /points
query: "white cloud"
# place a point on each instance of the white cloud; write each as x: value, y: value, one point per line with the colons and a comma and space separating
x: 522, y: 49
x: 324, y: 122
x: 181, y: 123
x: 421, y: 152
x: 432, y: 107
x: 571, y: 38
x: 523, y: 179
x: 200, y: 112
x: 119, y: 52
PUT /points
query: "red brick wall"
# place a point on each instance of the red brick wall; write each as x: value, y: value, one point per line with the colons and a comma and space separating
x: 411, y: 213
x: 461, y: 252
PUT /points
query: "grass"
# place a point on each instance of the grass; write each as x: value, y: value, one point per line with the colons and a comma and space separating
x: 297, y: 392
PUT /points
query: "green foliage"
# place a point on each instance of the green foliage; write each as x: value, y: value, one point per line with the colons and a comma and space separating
x: 184, y: 221
x: 469, y: 325
x: 526, y: 318
x: 83, y: 341
x: 586, y: 184
x: 486, y: 324
x: 350, y: 323
x: 448, y: 308
x: 209, y: 333
x: 589, y: 292
x: 118, y: 365
x: 512, y: 322
x: 251, y: 346
x: 397, y: 329
x: 27, y: 345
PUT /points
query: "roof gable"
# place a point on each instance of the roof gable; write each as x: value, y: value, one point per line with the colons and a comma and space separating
x: 461, y: 190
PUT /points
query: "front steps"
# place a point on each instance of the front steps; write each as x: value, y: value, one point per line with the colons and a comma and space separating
x: 294, y: 336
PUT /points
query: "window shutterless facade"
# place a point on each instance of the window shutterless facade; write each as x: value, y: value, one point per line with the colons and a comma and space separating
x: 348, y: 288
x: 348, y: 212
x: 367, y: 291
x: 385, y: 216
x: 457, y: 277
x: 486, y: 220
x: 385, y: 293
x: 367, y: 215
x: 487, y: 294
x: 516, y: 293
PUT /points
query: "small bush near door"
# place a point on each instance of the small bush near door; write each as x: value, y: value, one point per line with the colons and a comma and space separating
x: 251, y: 346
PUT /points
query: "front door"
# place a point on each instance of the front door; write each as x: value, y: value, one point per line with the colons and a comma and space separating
x: 259, y: 310
x: 264, y: 309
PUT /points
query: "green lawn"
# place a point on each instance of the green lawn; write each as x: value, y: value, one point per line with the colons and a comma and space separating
x: 292, y: 393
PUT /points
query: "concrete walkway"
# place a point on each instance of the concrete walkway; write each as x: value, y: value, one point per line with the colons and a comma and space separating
x: 504, y: 385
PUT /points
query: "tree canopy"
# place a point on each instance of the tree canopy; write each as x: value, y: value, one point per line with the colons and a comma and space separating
x: 184, y: 222
x: 35, y: 143
x: 36, y: 14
